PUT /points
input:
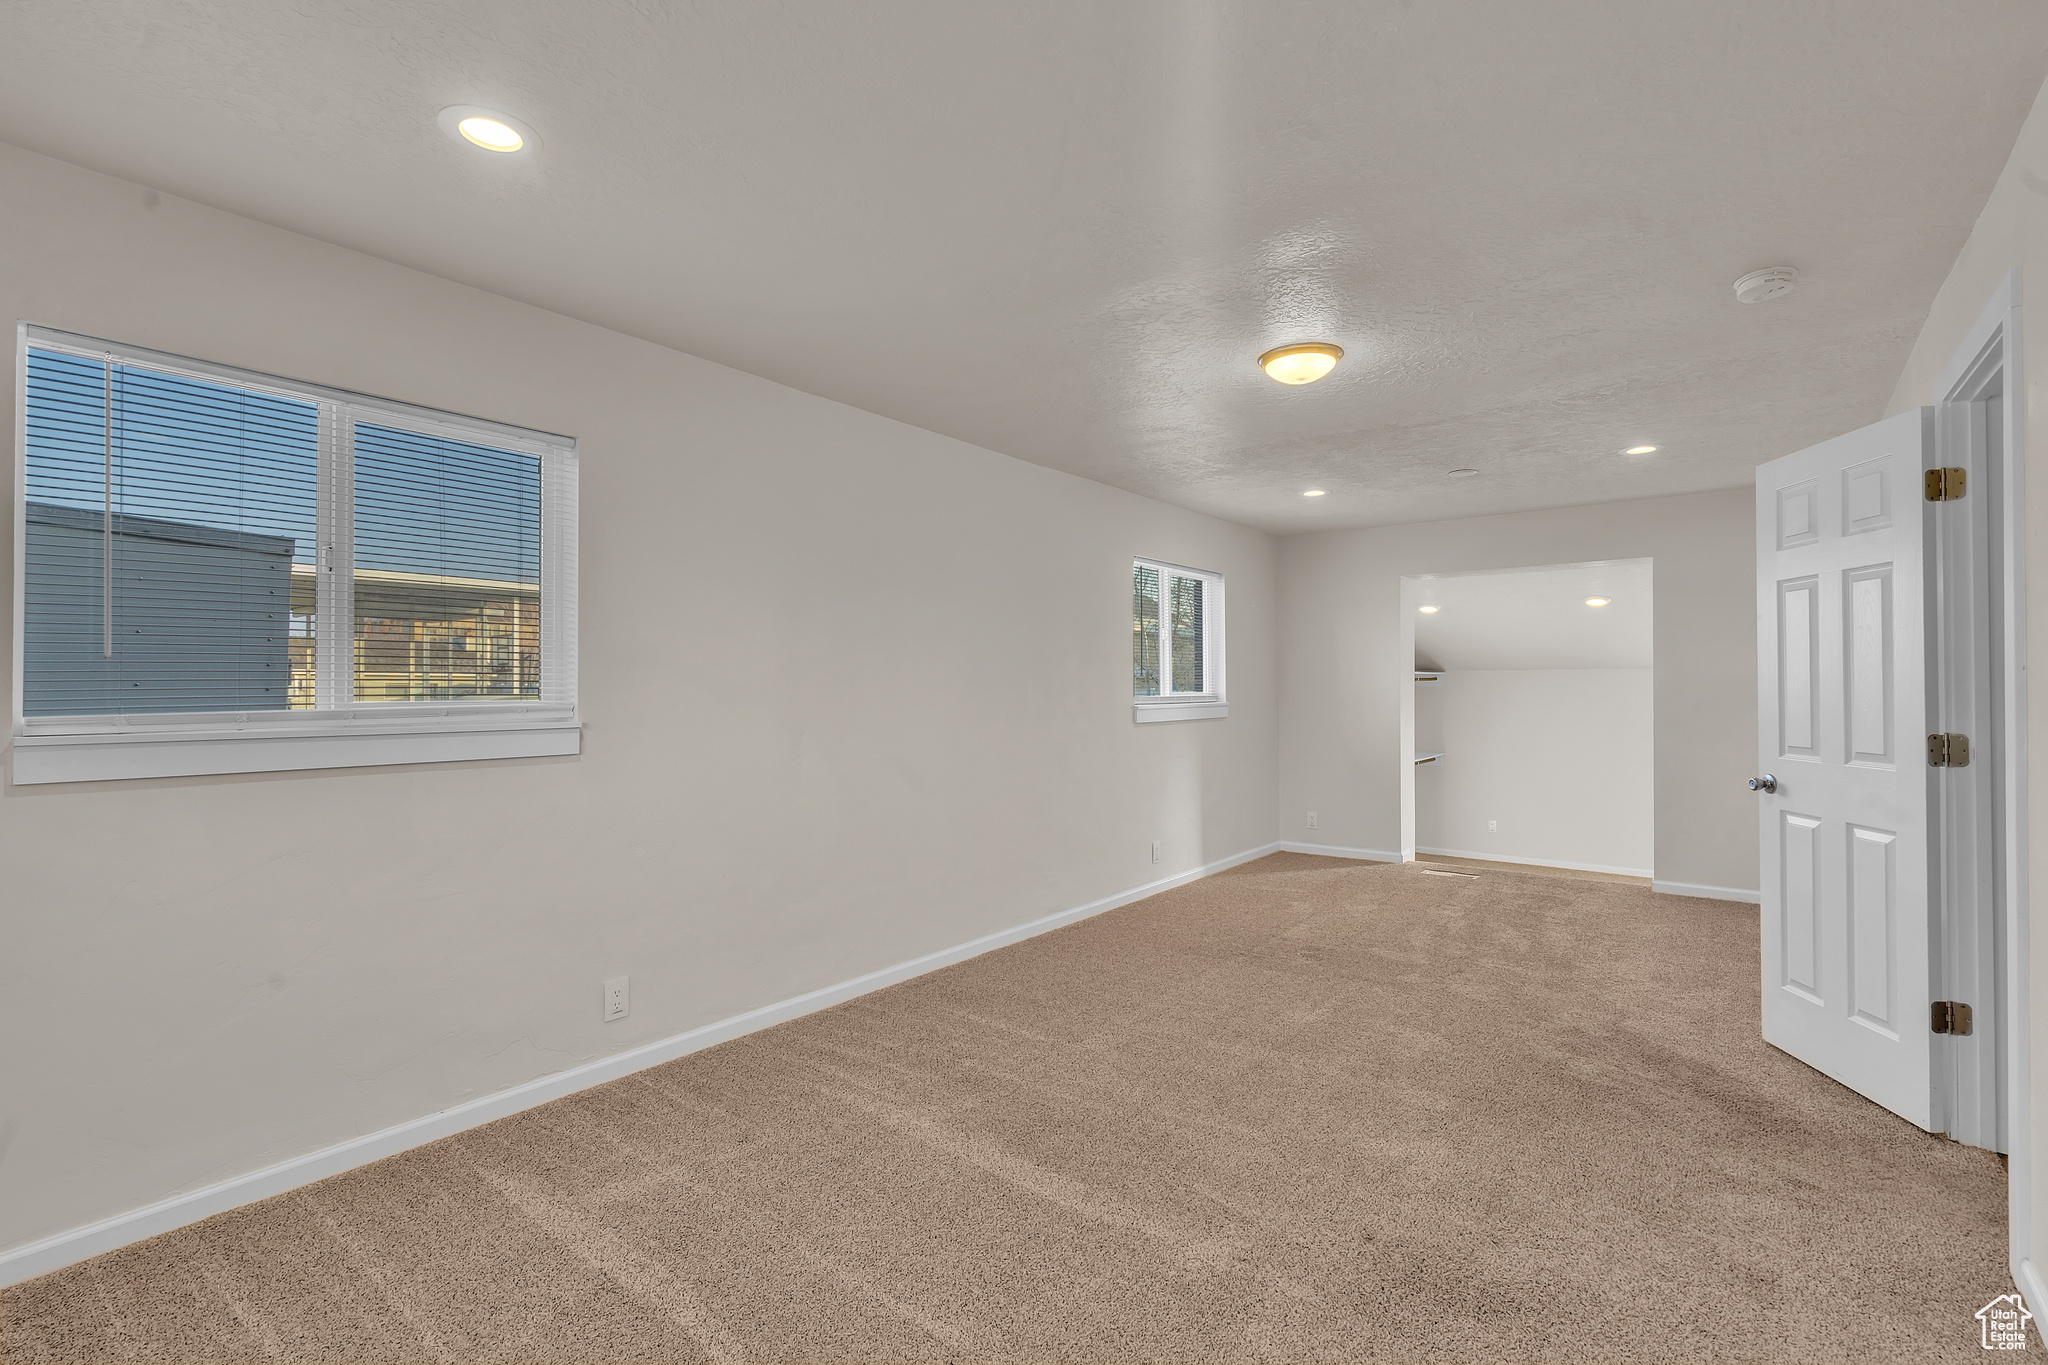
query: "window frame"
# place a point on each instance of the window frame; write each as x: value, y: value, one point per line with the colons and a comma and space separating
x: 1213, y: 702
x: 339, y: 731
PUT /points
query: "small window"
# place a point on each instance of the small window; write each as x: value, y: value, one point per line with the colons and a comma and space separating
x: 1176, y: 642
x: 229, y: 572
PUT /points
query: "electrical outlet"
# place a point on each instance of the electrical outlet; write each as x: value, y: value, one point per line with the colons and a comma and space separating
x: 1155, y: 850
x: 615, y: 999
x: 1311, y: 819
x: 1493, y: 826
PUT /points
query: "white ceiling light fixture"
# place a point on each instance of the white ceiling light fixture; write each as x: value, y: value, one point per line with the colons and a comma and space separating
x: 1429, y: 611
x: 1302, y: 364
x: 1315, y: 492
x: 488, y: 129
x: 1464, y: 473
x: 1640, y: 450
x: 1596, y: 601
x: 1760, y: 286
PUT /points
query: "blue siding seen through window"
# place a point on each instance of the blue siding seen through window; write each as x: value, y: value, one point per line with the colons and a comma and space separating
x: 203, y: 498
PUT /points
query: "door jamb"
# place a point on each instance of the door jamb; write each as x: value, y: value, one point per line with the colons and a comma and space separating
x: 1998, y: 332
x: 1411, y: 597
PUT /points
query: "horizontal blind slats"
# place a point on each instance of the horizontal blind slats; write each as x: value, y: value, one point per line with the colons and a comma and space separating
x: 1144, y: 631
x: 215, y: 565
x: 213, y: 499
x: 447, y: 568
x: 1185, y: 604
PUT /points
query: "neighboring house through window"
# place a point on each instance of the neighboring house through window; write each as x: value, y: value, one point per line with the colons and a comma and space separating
x: 1176, y: 642
x: 228, y: 572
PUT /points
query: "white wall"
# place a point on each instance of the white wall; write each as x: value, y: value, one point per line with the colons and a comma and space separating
x: 1343, y: 669
x: 2012, y: 232
x: 798, y: 765
x: 1560, y: 759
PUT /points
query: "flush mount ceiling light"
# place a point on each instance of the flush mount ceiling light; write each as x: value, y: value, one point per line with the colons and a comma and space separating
x: 1429, y: 611
x: 1596, y: 601
x: 1758, y: 286
x: 1315, y: 492
x: 487, y: 128
x: 1640, y: 450
x: 1464, y: 473
x: 1303, y: 364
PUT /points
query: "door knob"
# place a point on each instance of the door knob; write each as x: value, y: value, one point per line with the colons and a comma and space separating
x: 1766, y: 783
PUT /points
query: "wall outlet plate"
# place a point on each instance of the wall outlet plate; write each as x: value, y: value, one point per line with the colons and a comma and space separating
x: 615, y: 999
x: 1311, y: 819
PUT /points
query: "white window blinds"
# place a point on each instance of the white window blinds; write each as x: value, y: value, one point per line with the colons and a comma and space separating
x: 447, y: 568
x: 1184, y: 627
x: 198, y: 540
x: 167, y: 520
x: 1144, y: 630
x: 1176, y: 649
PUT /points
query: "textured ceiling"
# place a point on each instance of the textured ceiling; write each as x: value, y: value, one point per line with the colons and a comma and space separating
x: 1064, y: 231
x: 1537, y: 618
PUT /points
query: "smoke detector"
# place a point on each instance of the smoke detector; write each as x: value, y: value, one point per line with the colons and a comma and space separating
x: 1760, y: 285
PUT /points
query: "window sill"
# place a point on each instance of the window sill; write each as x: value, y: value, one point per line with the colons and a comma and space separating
x: 1145, y: 711
x: 104, y: 758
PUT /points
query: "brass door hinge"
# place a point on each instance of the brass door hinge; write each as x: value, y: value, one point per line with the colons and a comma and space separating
x: 1948, y: 751
x: 1951, y: 1016
x: 1946, y: 485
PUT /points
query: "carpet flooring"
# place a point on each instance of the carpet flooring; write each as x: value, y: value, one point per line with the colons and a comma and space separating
x: 1307, y: 1109
x: 1569, y: 873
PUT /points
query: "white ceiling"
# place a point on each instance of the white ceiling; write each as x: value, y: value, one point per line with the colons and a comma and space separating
x: 1064, y: 231
x: 1536, y: 618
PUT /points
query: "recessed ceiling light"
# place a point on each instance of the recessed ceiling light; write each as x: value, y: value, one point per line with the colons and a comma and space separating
x: 1303, y: 364
x: 1596, y: 601
x: 1641, y: 450
x: 490, y: 134
x: 1315, y: 492
x: 1429, y: 611
x: 1463, y: 473
x: 487, y: 128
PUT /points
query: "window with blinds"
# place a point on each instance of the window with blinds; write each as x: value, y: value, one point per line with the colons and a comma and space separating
x: 199, y: 540
x: 167, y: 520
x: 1176, y: 636
x: 447, y: 568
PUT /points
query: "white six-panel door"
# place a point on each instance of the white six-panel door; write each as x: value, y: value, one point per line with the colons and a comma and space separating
x: 1848, y: 950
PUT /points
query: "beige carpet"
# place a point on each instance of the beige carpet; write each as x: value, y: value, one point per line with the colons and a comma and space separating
x: 1305, y: 1110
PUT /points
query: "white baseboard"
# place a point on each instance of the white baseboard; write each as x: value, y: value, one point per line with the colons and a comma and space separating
x: 2035, y: 1294
x: 1537, y: 862
x: 1712, y: 893
x: 2028, y: 1281
x: 27, y: 1261
x: 1369, y: 855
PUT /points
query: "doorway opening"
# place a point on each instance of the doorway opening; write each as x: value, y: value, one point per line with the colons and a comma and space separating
x: 1528, y: 733
x: 1979, y: 572
x: 1892, y: 749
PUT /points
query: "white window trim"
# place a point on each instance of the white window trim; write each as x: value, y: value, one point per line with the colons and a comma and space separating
x: 339, y: 732
x: 1212, y: 703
